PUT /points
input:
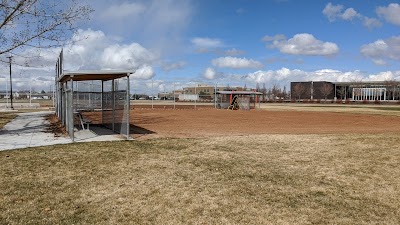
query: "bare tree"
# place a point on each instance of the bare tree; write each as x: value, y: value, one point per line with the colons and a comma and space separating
x: 38, y: 23
x: 392, y: 86
x: 284, y: 92
x: 264, y: 92
x: 275, y: 91
x: 341, y: 92
x: 325, y: 90
x: 257, y: 86
x: 357, y: 86
x: 298, y: 90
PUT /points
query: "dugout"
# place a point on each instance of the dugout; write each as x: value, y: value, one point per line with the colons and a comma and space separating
x: 243, y: 100
x: 105, y: 92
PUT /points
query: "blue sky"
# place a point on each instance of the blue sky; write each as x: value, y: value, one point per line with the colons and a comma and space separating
x: 239, y: 41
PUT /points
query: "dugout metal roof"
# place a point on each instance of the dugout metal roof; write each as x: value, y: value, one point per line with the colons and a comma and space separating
x: 239, y: 92
x: 94, y: 75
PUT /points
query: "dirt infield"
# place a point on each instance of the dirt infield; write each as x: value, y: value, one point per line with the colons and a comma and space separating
x: 186, y: 123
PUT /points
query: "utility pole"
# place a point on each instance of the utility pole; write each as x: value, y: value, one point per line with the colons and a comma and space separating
x: 7, y: 93
x: 11, y: 91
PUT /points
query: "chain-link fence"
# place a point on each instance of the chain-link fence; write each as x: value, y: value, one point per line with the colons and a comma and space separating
x: 182, y: 94
x: 154, y: 93
x: 26, y: 93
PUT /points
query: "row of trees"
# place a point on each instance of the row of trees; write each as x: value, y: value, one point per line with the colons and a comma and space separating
x: 273, y: 93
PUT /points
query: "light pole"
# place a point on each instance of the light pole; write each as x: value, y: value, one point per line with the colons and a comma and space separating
x: 11, y: 91
x: 7, y: 93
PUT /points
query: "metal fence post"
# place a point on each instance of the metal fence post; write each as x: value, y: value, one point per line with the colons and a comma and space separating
x: 128, y: 108
x: 215, y: 96
x: 152, y: 93
x: 174, y: 96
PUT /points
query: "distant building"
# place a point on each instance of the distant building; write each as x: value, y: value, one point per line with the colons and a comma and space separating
x: 207, y: 90
x: 5, y: 95
x: 170, y: 95
x: 354, y: 91
x: 26, y: 95
x: 198, y: 92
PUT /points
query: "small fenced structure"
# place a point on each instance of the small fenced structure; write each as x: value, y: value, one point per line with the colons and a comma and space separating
x: 102, y: 91
x: 234, y: 100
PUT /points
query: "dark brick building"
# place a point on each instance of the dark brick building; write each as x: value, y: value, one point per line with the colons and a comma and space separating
x: 312, y: 90
x: 354, y: 91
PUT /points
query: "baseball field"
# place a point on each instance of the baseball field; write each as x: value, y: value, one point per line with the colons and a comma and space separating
x: 282, y: 164
x: 185, y: 122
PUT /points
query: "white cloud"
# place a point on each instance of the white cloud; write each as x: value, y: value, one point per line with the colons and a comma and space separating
x: 284, y: 75
x: 173, y: 66
x: 88, y: 49
x: 349, y: 14
x: 123, y: 11
x: 126, y: 56
x: 206, y: 45
x: 391, y: 13
x: 210, y: 73
x: 98, y: 51
x: 213, y: 45
x: 144, y: 72
x: 380, y: 62
x: 383, y: 76
x: 233, y: 52
x: 382, y: 50
x: 236, y: 63
x: 337, y: 12
x: 371, y: 23
x: 332, y: 11
x: 206, y: 42
x: 157, y: 24
x: 302, y: 44
x: 277, y: 37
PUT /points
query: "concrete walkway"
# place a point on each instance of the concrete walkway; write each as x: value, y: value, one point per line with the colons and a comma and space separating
x: 28, y: 130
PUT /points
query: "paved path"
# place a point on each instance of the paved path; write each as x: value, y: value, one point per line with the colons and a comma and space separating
x: 28, y: 130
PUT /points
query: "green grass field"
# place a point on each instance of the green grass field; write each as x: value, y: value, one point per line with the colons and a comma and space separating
x: 263, y: 179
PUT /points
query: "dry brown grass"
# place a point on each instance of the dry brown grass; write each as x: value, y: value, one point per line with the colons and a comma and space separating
x: 263, y: 179
x: 6, y: 117
x: 388, y: 110
x: 42, y: 102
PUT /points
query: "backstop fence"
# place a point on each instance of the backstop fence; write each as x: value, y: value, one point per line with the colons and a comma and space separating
x: 185, y: 94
